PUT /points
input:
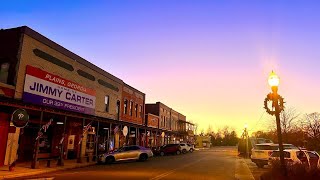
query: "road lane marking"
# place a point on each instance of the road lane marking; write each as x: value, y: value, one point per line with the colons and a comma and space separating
x: 172, y: 171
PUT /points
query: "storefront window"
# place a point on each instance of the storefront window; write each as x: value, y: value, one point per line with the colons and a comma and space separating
x: 4, y: 72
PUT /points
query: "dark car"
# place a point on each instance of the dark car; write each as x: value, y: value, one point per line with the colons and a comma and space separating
x: 170, y: 149
x: 156, y: 150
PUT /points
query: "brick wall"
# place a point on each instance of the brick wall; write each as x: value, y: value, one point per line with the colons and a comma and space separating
x: 137, y: 99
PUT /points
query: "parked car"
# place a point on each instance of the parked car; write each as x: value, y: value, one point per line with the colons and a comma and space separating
x: 184, y: 147
x: 191, y: 147
x: 156, y: 150
x: 261, y: 152
x: 170, y: 149
x: 309, y: 159
x: 126, y: 153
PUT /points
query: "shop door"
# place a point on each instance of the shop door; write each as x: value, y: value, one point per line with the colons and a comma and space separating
x: 4, y: 129
x: 27, y: 141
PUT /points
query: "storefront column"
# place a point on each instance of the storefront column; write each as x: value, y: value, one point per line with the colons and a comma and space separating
x: 137, y: 137
x: 109, y: 136
x: 61, y: 160
x: 79, y: 148
x: 97, y: 140
x: 35, y: 162
x: 146, y: 138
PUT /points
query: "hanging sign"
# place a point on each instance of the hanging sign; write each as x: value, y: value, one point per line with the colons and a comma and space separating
x: 20, y: 118
x: 44, y: 128
x: 85, y: 130
x: 125, y: 130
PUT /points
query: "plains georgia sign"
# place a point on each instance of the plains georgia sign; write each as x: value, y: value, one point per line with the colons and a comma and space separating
x: 46, y: 89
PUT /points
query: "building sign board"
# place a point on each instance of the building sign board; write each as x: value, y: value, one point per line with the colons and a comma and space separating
x: 46, y: 89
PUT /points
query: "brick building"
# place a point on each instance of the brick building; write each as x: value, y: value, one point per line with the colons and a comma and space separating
x: 172, y: 124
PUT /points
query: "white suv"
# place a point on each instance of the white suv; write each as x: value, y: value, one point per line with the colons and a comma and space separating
x: 261, y: 152
x: 186, y: 147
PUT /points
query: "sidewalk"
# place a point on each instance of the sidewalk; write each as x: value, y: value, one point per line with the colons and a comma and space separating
x: 242, y: 171
x: 24, y: 169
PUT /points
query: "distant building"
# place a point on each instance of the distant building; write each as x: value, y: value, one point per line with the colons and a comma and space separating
x: 203, y: 141
x: 172, y: 124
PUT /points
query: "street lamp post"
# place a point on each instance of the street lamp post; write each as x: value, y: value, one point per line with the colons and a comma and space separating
x: 277, y: 107
x: 247, y: 144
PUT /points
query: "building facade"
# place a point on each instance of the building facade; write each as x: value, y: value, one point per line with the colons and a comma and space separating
x: 172, y: 124
x: 75, y: 109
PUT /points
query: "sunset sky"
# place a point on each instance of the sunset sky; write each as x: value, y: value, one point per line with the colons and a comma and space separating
x: 209, y: 60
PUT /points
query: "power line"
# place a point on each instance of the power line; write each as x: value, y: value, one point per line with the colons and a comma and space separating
x: 258, y: 120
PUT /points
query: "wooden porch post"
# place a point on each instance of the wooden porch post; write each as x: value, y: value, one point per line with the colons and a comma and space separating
x: 35, y: 162
x: 79, y: 149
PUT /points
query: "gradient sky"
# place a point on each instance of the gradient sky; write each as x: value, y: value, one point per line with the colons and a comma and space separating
x: 209, y: 60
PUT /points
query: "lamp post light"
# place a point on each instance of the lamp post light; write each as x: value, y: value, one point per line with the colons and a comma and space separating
x: 277, y: 107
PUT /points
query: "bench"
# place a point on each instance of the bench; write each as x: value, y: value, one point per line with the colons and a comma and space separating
x: 47, y: 157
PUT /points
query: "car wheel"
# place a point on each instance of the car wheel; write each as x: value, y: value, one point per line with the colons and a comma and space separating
x: 178, y: 152
x: 143, y: 157
x: 191, y: 150
x: 161, y: 153
x: 184, y: 151
x: 109, y: 160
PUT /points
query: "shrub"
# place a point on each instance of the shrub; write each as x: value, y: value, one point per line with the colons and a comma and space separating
x: 294, y: 172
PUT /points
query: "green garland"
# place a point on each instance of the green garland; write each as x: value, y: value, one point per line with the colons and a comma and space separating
x: 270, y: 98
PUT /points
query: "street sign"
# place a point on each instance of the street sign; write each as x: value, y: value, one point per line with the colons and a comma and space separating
x: 125, y: 130
x: 20, y: 118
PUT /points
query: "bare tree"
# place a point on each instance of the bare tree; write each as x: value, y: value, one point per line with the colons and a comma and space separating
x: 209, y: 130
x: 288, y: 121
x: 312, y: 122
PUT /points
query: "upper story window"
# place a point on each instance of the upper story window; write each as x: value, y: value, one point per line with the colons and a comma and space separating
x: 136, y: 110
x: 106, y: 102
x: 4, y: 72
x: 125, y: 105
x: 131, y: 108
x: 118, y: 107
x: 140, y: 111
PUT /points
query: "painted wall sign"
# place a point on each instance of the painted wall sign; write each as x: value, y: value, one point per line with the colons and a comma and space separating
x: 46, y: 89
x: 20, y: 118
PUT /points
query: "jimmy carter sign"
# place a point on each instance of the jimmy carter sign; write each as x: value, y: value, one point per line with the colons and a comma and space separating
x: 50, y: 90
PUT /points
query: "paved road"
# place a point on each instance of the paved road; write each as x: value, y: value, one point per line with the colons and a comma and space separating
x: 216, y: 163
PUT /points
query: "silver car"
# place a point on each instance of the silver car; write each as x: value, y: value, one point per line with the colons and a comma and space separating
x: 126, y: 153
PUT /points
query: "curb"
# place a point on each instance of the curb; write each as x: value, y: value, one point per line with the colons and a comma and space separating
x: 242, y: 171
x: 44, y: 171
